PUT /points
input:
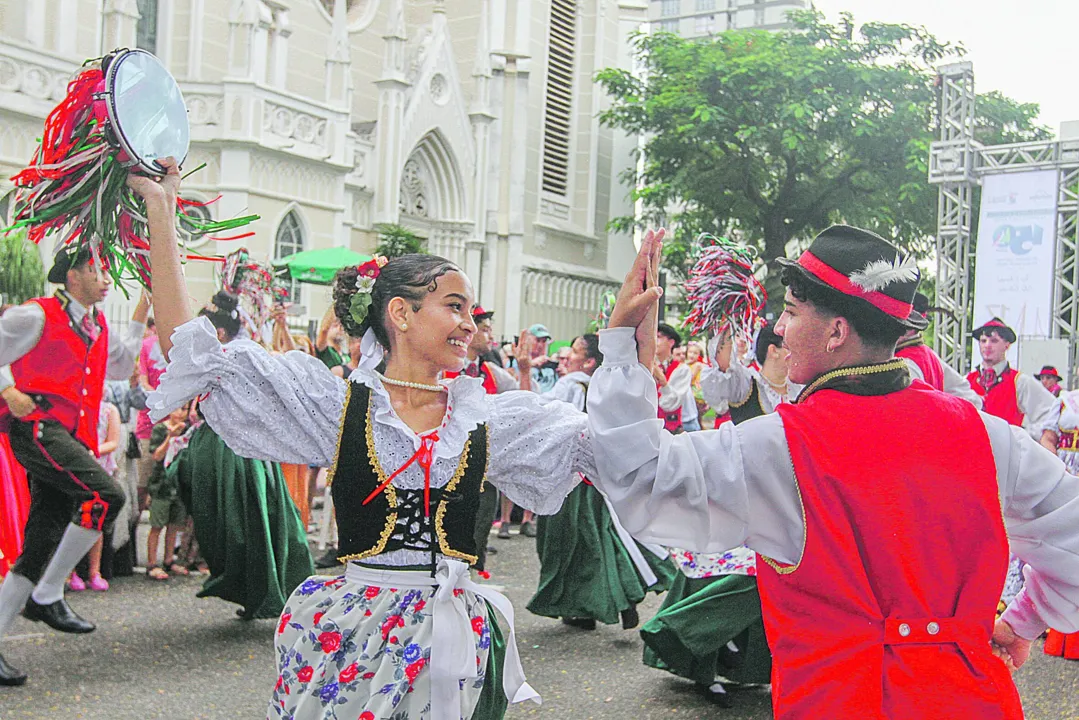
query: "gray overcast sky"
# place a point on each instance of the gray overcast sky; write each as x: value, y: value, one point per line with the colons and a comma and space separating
x: 1027, y: 49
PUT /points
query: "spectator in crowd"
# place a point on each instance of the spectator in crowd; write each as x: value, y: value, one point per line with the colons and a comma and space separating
x: 167, y: 511
x: 329, y: 341
x: 108, y: 440
x: 562, y: 358
x: 544, y: 373
x: 151, y: 367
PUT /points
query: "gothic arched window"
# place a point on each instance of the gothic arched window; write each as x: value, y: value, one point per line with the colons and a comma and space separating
x: 288, y: 241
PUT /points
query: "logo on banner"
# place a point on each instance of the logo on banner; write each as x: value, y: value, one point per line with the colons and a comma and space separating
x: 1017, y: 239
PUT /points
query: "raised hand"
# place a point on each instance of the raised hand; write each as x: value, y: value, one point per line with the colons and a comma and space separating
x: 157, y: 191
x: 637, y: 303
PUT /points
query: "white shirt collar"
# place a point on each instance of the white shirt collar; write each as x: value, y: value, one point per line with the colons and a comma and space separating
x: 75, y: 309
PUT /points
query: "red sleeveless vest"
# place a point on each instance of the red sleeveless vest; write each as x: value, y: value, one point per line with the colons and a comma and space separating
x: 65, y: 373
x: 1001, y: 400
x: 927, y: 361
x: 489, y: 383
x: 672, y: 421
x: 889, y: 613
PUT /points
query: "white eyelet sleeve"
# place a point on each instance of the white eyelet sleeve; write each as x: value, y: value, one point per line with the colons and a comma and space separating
x: 538, y: 445
x: 285, y: 408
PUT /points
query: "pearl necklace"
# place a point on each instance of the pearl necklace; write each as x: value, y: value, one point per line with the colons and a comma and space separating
x: 412, y: 385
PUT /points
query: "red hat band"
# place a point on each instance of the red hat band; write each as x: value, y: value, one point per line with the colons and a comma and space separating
x: 840, y: 282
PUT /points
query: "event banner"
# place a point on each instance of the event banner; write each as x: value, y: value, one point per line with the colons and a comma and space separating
x: 1013, y: 277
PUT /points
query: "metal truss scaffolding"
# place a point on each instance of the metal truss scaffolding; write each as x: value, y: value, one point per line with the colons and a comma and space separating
x: 957, y: 163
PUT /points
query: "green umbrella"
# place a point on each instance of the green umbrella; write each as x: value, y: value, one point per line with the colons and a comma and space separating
x: 319, y: 266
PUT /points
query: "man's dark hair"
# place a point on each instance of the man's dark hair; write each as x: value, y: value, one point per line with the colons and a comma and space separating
x: 668, y: 331
x: 492, y: 356
x: 766, y: 338
x: 591, y: 348
x: 875, y: 329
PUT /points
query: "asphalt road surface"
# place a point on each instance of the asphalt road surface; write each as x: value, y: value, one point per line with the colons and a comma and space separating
x: 161, y: 653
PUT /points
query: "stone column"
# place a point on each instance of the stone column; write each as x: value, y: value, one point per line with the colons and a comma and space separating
x: 391, y: 111
x: 121, y: 18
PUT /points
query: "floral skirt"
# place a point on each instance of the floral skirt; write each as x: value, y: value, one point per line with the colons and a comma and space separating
x: 350, y: 650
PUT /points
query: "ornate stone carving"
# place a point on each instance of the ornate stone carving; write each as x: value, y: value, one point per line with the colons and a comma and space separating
x: 294, y: 179
x: 439, y: 88
x: 32, y: 79
x: 413, y: 191
x: 205, y: 109
x: 288, y: 123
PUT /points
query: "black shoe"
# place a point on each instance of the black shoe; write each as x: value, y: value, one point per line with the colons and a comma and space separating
x: 58, y: 616
x: 528, y: 529
x: 582, y: 623
x: 10, y: 676
x: 720, y: 699
x: 504, y: 531
x: 492, y: 550
x: 328, y: 560
x: 630, y: 618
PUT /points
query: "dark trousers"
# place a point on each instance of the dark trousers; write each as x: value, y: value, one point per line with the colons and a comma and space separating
x: 66, y: 486
x: 485, y: 516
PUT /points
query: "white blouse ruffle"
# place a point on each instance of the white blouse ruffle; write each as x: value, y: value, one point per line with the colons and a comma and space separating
x: 287, y: 408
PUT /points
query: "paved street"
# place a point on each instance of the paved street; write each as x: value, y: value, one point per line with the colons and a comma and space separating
x: 161, y: 653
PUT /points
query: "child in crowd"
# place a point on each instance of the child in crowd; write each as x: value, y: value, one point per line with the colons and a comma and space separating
x: 167, y: 511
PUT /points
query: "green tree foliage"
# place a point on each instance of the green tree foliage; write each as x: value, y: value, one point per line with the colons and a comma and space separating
x: 773, y: 136
x: 397, y: 240
x: 22, y: 275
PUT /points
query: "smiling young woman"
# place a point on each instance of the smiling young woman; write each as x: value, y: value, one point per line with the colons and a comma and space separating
x: 410, y: 455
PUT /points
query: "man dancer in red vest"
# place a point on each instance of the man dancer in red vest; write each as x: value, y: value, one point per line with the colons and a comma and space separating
x: 59, y: 352
x: 925, y: 365
x: 1007, y: 393
x: 674, y: 380
x: 877, y: 506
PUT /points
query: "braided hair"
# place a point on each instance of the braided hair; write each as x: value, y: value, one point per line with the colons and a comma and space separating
x: 410, y: 277
x: 223, y: 312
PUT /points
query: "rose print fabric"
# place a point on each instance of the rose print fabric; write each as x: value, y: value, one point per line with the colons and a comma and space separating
x: 349, y: 651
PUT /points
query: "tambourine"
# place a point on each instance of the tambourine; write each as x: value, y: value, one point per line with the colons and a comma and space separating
x: 147, y: 117
x: 121, y: 112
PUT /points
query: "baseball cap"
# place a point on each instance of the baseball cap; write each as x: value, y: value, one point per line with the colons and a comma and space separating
x: 540, y: 331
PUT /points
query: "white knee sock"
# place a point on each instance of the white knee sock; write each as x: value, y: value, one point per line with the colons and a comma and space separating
x: 13, y: 594
x: 76, y: 543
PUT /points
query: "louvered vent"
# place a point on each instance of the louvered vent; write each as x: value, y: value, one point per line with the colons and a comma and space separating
x: 558, y: 113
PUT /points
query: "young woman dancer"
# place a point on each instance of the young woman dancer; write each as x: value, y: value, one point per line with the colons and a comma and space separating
x: 405, y: 632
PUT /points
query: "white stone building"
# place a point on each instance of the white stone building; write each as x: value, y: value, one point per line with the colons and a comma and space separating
x: 701, y: 18
x: 474, y: 122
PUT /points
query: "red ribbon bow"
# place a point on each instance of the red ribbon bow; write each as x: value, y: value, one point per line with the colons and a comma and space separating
x: 425, y: 457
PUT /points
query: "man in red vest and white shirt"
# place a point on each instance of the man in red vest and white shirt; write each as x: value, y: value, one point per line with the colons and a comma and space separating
x: 1007, y: 393
x: 59, y: 352
x: 673, y: 379
x: 877, y: 506
x: 925, y: 365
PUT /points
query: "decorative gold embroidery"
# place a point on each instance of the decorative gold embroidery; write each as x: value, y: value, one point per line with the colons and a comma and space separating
x: 893, y: 364
x: 752, y: 386
x: 340, y: 433
x: 391, y: 494
x: 788, y: 569
x: 440, y: 514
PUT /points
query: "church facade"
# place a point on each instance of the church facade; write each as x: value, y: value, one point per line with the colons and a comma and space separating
x: 471, y: 122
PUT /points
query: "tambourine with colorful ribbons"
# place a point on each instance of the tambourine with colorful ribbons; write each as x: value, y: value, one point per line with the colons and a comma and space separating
x: 121, y: 112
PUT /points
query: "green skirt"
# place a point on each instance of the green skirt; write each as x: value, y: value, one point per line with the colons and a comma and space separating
x: 248, y: 527
x: 689, y: 634
x: 585, y: 570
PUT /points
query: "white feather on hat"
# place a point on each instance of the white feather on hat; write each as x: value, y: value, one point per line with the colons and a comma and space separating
x: 879, y: 274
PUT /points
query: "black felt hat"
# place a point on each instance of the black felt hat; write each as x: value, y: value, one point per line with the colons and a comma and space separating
x: 997, y: 325
x: 65, y: 259
x: 864, y: 266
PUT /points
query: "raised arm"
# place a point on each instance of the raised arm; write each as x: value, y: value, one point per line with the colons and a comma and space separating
x: 727, y: 381
x: 285, y: 408
x: 171, y: 309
